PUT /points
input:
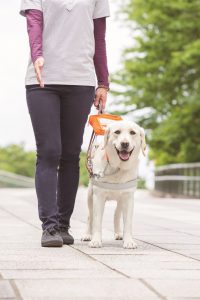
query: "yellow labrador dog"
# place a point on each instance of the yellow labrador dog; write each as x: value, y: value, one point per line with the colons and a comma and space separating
x: 115, y: 170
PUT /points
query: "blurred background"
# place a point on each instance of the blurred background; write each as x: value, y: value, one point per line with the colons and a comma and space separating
x: 153, y: 52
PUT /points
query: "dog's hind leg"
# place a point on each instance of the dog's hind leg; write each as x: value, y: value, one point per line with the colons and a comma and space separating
x: 88, y: 234
x: 117, y: 216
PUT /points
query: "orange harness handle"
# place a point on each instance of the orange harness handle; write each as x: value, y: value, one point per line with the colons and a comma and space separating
x: 98, y: 123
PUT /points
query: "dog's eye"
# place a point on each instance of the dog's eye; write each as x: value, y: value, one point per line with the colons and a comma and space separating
x: 117, y: 131
x: 132, y: 132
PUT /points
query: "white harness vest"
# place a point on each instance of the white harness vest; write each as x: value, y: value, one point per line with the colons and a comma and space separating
x: 114, y: 186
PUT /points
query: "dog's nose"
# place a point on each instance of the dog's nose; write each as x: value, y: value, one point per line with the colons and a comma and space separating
x: 124, y: 145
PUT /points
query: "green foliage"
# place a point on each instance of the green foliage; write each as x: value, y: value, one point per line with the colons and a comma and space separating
x: 161, y: 70
x: 177, y: 138
x: 84, y: 177
x: 14, y: 158
x: 141, y: 183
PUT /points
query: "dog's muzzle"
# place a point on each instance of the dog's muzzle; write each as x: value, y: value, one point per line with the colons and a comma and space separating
x: 124, y: 154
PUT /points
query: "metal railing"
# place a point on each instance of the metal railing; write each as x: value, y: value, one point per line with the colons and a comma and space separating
x: 178, y: 180
x: 8, y: 179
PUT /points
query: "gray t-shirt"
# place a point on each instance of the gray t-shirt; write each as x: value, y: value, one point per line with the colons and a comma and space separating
x: 68, y: 40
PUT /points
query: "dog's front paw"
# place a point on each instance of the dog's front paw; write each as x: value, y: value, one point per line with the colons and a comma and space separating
x: 118, y: 236
x: 95, y: 244
x: 86, y: 237
x: 129, y: 244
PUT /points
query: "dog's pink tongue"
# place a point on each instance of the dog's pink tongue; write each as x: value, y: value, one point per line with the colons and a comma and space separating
x: 124, y: 155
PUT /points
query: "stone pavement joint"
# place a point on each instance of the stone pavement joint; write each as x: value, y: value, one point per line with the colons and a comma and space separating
x: 172, y: 251
x: 152, y: 289
x: 6, y: 290
x: 117, y: 271
x: 15, y: 289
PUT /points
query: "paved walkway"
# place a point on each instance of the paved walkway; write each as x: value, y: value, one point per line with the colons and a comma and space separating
x: 166, y: 264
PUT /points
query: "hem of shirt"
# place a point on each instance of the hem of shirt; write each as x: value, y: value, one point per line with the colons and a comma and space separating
x: 101, y: 16
x: 88, y: 83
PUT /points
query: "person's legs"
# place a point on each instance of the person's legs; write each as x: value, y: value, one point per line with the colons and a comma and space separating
x: 44, y: 110
x: 76, y: 103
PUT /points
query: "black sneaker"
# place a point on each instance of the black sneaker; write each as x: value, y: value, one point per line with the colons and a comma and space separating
x: 67, y: 238
x: 51, y: 238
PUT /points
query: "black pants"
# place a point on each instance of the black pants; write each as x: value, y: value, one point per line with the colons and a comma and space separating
x: 58, y: 115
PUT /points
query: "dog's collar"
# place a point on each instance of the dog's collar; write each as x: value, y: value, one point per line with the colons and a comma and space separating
x: 114, y: 186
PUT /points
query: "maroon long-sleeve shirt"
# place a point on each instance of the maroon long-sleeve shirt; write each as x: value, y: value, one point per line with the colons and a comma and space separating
x: 35, y: 28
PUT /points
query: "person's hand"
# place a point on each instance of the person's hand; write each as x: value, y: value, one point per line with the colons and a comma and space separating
x: 100, y: 98
x: 38, y: 65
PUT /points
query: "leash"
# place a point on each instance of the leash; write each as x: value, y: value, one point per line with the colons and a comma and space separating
x: 88, y: 161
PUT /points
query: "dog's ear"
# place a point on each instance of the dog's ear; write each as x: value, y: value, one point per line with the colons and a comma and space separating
x: 143, y: 142
x: 106, y: 136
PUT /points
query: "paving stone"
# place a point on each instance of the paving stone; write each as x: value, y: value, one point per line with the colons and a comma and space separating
x: 67, y: 273
x: 155, y: 273
x: 194, y: 255
x: 184, y: 298
x: 47, y: 258
x: 171, y: 239
x: 177, y: 288
x: 145, y: 258
x: 6, y: 290
x: 8, y: 298
x: 149, y: 262
x: 76, y: 262
x: 179, y: 246
x: 87, y: 289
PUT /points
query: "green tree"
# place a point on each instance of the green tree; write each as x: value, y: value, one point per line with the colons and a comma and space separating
x: 15, y: 159
x: 177, y: 137
x: 161, y: 70
x: 84, y: 177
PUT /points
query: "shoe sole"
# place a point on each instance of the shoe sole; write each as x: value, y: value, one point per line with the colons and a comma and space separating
x: 52, y: 244
x: 68, y: 243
